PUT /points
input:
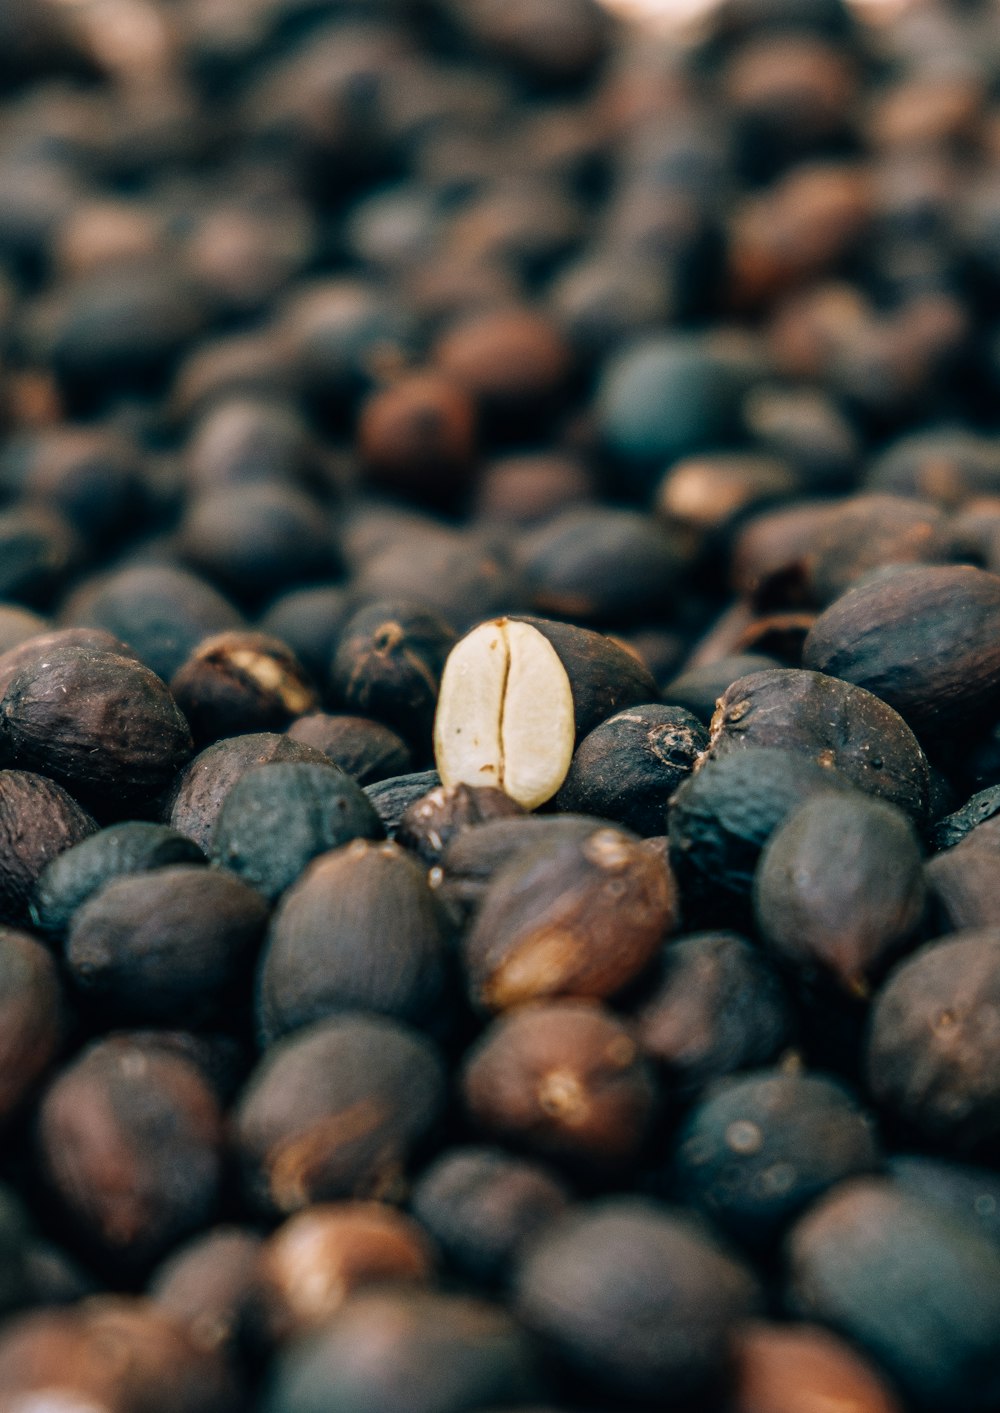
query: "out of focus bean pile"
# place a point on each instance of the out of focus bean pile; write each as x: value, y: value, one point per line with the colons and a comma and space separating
x: 499, y: 708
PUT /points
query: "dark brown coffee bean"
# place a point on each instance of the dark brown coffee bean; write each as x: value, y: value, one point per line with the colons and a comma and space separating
x: 608, y: 1287
x: 717, y: 1008
x: 166, y: 946
x: 236, y: 683
x: 100, y: 724
x: 948, y: 467
x: 37, y: 551
x: 201, y: 789
x: 840, y: 1255
x: 337, y: 1110
x: 457, y: 577
x: 360, y: 930
x: 523, y: 489
x: 131, y: 1142
x: 598, y: 565
x: 628, y: 768
x: 430, y: 823
x: 923, y: 638
x: 832, y: 722
x: 32, y: 1020
x: 483, y: 1206
x: 409, y: 1352
x: 699, y: 688
x: 91, y: 476
x: 365, y: 749
x: 840, y: 887
x: 255, y: 541
x: 563, y: 1079
x: 240, y: 440
x: 514, y: 363
x: 161, y: 611
x: 309, y: 621
x: 208, y: 1286
x: 388, y: 665
x: 116, y: 329
x: 758, y: 1149
x: 961, y: 886
x: 543, y: 925
x: 38, y: 821
x: 339, y: 334
x: 317, y: 1260
x: 932, y: 1049
x: 35, y: 650
x: 472, y: 857
x: 605, y: 677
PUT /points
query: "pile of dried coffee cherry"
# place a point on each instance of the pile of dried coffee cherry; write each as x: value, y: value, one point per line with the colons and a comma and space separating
x: 499, y: 708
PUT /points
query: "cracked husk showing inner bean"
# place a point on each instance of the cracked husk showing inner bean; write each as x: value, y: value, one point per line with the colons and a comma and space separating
x: 505, y: 713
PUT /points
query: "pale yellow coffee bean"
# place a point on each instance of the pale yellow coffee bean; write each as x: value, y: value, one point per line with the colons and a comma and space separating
x: 505, y: 713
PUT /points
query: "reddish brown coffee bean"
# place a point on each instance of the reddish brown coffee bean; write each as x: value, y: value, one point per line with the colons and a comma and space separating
x: 512, y: 362
x: 564, y: 1080
x: 32, y: 1018
x: 430, y: 823
x: 799, y: 1368
x: 319, y: 1258
x: 131, y: 1142
x: 545, y: 922
x: 418, y: 437
x: 115, y: 1353
x: 38, y: 821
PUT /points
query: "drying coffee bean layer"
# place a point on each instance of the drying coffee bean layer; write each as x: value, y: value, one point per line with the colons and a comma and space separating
x: 499, y: 708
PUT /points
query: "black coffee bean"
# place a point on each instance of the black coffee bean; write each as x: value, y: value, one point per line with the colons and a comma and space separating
x: 132, y: 847
x: 759, y: 1148
x: 277, y: 818
x: 606, y: 1285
